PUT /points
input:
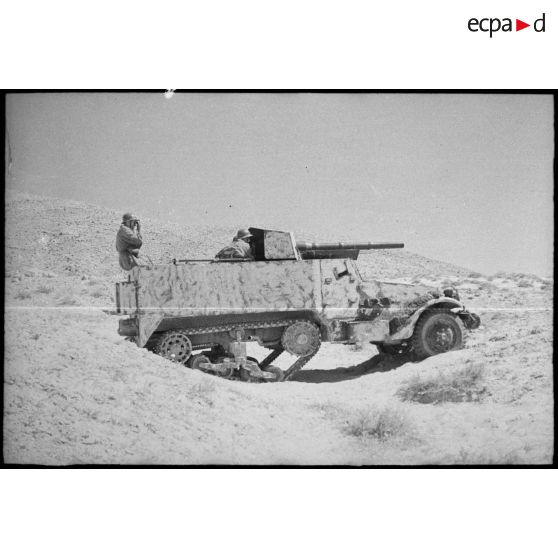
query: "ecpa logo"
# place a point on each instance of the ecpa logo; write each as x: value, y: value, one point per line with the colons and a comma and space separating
x: 494, y: 24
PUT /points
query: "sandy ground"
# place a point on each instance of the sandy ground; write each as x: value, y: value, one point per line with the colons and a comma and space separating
x: 75, y: 392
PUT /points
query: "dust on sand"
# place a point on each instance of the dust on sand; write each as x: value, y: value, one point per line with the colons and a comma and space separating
x: 75, y: 392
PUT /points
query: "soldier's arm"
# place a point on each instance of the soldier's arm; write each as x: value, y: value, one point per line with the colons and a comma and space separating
x: 133, y: 240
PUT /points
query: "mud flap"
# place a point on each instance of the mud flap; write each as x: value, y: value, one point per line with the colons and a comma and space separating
x: 147, y: 324
x: 127, y: 327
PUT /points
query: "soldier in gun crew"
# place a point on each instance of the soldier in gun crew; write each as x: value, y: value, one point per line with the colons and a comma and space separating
x: 128, y: 241
x: 239, y: 249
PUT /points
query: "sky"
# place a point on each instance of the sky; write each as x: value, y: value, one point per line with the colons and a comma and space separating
x: 466, y: 179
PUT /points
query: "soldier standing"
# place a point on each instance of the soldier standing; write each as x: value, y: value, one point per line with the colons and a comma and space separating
x: 128, y: 241
x: 239, y: 248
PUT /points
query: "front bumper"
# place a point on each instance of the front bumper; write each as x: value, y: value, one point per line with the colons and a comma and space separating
x: 469, y: 319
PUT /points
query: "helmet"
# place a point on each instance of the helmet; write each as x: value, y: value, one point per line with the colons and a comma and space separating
x: 129, y: 217
x: 242, y: 233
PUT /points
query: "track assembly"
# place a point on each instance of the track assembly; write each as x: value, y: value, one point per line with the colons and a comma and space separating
x: 300, y: 338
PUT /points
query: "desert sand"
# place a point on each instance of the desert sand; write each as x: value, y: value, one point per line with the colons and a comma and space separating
x: 75, y: 392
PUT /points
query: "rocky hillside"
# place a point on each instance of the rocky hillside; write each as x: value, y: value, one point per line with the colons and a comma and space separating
x: 72, y: 238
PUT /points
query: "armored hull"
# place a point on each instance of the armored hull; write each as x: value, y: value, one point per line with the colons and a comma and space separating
x: 282, y: 300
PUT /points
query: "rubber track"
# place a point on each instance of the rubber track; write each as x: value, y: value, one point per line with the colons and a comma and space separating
x: 270, y: 357
x: 299, y: 364
x: 230, y: 327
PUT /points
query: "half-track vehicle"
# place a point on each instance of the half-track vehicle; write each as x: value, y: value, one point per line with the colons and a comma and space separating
x: 292, y: 297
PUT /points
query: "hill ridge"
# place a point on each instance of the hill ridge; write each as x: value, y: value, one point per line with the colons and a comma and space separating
x: 71, y: 236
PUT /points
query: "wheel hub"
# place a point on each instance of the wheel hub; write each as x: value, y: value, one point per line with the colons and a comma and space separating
x: 302, y: 339
x: 442, y: 338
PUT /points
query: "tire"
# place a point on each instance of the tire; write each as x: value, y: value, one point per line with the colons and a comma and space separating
x: 437, y: 331
x: 174, y: 345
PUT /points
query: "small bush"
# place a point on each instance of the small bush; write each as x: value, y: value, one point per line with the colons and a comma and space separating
x: 381, y: 424
x: 330, y: 410
x: 524, y: 283
x: 68, y: 300
x: 465, y: 384
x: 486, y: 287
x: 98, y: 293
x: 44, y: 289
x: 23, y: 295
x: 498, y: 337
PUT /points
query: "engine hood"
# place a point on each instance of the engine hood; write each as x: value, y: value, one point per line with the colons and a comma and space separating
x: 400, y: 298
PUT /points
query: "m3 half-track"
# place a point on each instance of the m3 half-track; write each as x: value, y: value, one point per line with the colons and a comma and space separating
x: 292, y: 297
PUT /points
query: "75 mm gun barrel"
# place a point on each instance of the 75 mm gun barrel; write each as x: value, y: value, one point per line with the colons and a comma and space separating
x: 334, y: 250
x: 334, y: 246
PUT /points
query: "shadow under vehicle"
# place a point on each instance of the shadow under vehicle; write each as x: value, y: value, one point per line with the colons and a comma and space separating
x: 292, y: 297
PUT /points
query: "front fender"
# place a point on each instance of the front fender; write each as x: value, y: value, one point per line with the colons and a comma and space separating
x: 442, y: 302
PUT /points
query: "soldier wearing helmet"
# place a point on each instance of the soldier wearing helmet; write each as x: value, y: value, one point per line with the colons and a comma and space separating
x: 239, y: 249
x: 128, y: 241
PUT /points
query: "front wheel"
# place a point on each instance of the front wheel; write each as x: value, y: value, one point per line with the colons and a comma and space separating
x: 437, y: 331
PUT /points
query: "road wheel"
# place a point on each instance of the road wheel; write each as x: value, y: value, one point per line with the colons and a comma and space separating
x: 437, y: 331
x: 174, y: 345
